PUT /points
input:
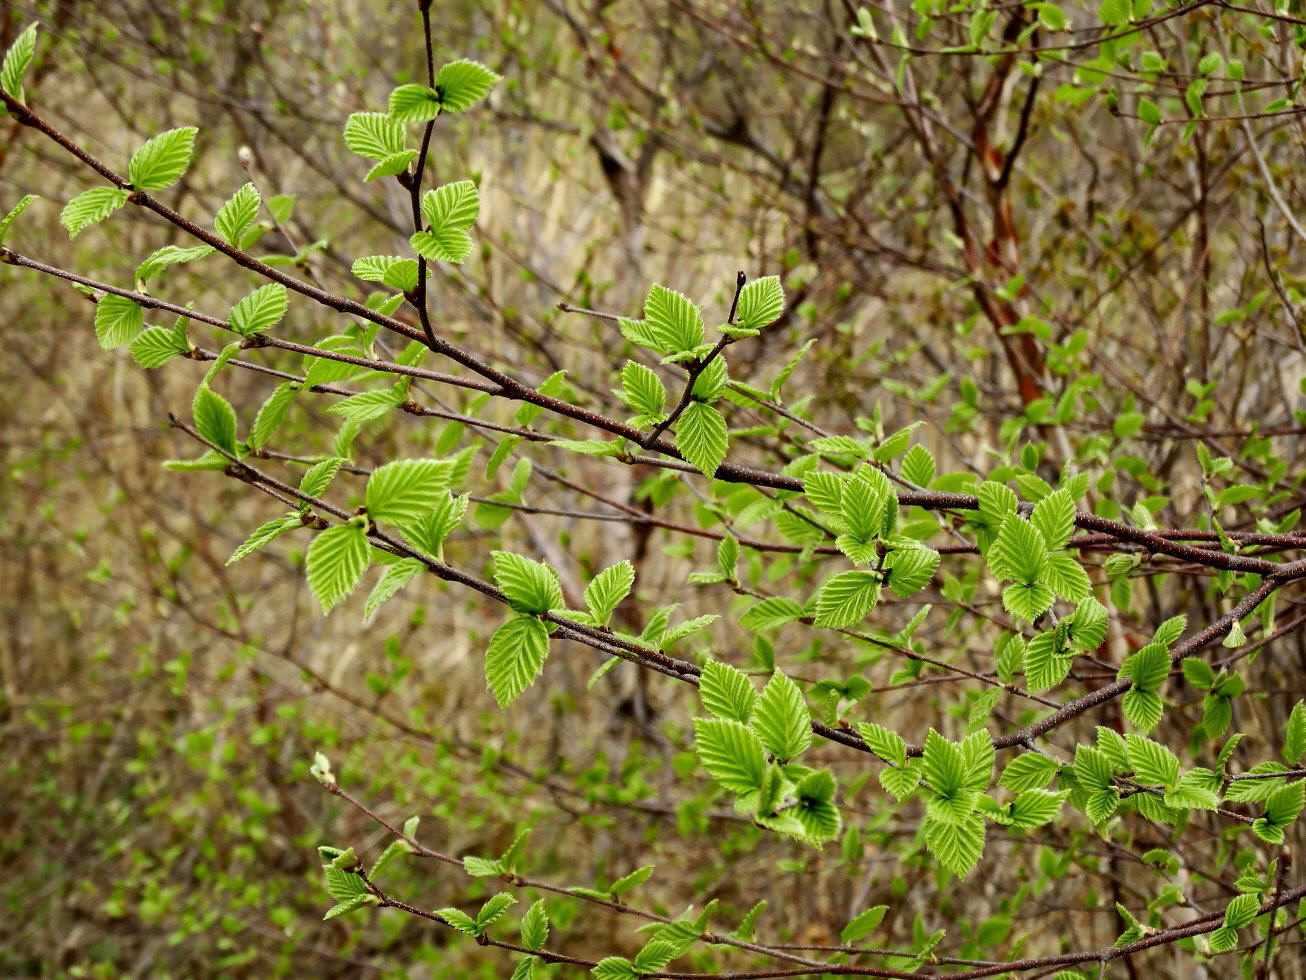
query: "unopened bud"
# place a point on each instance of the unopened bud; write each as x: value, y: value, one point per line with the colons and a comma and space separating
x: 246, y: 157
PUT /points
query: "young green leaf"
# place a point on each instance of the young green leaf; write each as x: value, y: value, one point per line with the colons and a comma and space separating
x: 493, y: 910
x: 395, y: 578
x: 162, y: 159
x: 535, y: 926
x: 530, y: 586
x: 260, y: 310
x: 781, y: 719
x: 335, y: 564
x: 91, y: 207
x: 726, y: 691
x: 413, y: 103
x: 888, y: 745
x: 673, y: 320
x: 642, y: 390
x: 404, y: 490
x: 459, y: 85
x: 702, y: 438
x: 17, y: 58
x: 846, y: 599
x: 760, y: 303
x: 515, y: 657
x: 910, y: 569
x: 1054, y: 516
x: 7, y: 221
x: 237, y: 214
x: 374, y: 135
x: 317, y: 478
x: 215, y: 419
x: 265, y: 533
x: 607, y: 589
x: 449, y: 211
x: 862, y: 925
x: 156, y: 346
x: 731, y: 753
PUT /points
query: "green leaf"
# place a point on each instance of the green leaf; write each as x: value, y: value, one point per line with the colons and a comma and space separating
x: 460, y: 920
x: 633, y: 880
x: 887, y: 744
x: 156, y: 346
x: 429, y: 533
x: 760, y: 303
x: 1143, y: 708
x: 1028, y: 601
x: 726, y: 691
x: 168, y: 256
x: 1054, y: 516
x: 1035, y: 807
x: 461, y: 84
x: 608, y: 588
x: 265, y: 533
x: 1294, y: 741
x: 901, y: 781
x: 1283, y: 806
x: 317, y: 478
x: 824, y: 491
x: 1066, y: 577
x: 162, y: 159
x: 374, y: 135
x: 642, y: 390
x: 348, y: 905
x: 770, y: 614
x: 535, y: 926
x: 944, y: 764
x: 412, y: 103
x: 1088, y: 624
x: 781, y: 719
x: 404, y: 490
x: 702, y: 438
x: 1241, y: 910
x: 861, y: 926
x: 237, y: 214
x: 1149, y: 667
x: 910, y: 569
x: 711, y: 380
x: 673, y: 320
x: 398, y: 575
x: 1045, y: 665
x: 368, y: 406
x: 1028, y: 771
x: 530, y: 586
x: 449, y: 211
x: 1019, y: 552
x: 493, y: 909
x: 1114, y: 13
x: 731, y: 753
x: 1152, y: 762
x: 335, y: 564
x: 7, y: 221
x: 215, y: 419
x: 393, y: 270
x: 918, y: 466
x: 117, y: 320
x: 958, y: 846
x: 846, y: 599
x: 91, y: 207
x: 261, y: 309
x: 515, y: 657
x: 17, y: 58
x: 614, y: 968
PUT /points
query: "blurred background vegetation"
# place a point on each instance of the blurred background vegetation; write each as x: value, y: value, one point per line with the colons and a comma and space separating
x: 1102, y: 298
